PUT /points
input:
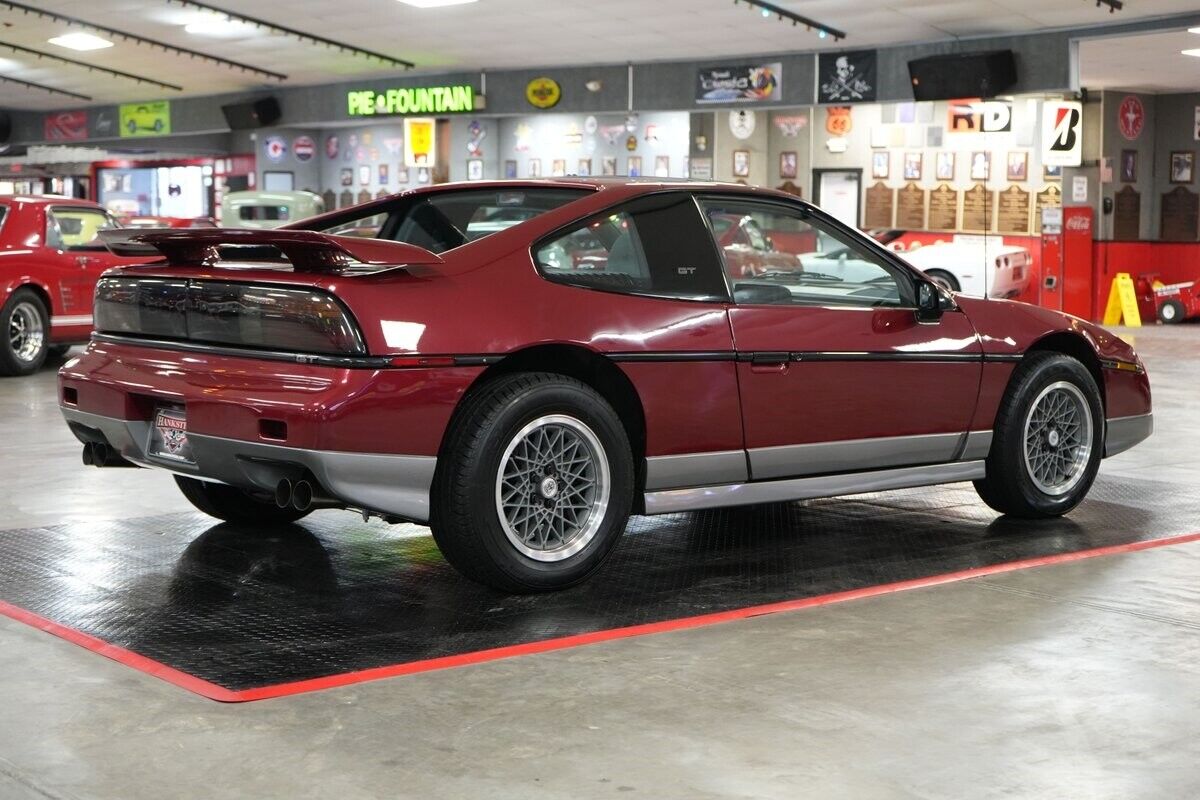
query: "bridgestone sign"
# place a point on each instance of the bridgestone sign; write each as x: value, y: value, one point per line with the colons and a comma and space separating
x: 421, y: 100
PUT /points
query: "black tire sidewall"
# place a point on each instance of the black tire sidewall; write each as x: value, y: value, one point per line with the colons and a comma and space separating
x: 1008, y: 452
x: 9, y: 363
x: 1178, y: 309
x: 937, y: 275
x: 503, y: 422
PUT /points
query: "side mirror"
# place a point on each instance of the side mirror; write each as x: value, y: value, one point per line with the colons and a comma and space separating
x: 929, y: 302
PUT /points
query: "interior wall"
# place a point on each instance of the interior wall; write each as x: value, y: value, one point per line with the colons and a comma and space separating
x: 1174, y: 130
x: 1114, y: 144
x: 548, y: 137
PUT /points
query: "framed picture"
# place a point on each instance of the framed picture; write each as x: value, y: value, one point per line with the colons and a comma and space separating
x: 401, y: 174
x: 741, y: 163
x: 510, y: 168
x: 608, y: 165
x: 347, y: 177
x: 662, y: 166
x: 474, y: 169
x: 981, y: 165
x: 1018, y: 165
x: 912, y: 166
x: 787, y: 164
x: 364, y: 174
x: 558, y: 167
x: 635, y: 166
x: 383, y: 174
x: 1183, y: 164
x: 944, y: 167
x: 535, y: 168
x: 880, y: 164
x: 585, y: 167
x: 1052, y: 172
x: 1129, y: 166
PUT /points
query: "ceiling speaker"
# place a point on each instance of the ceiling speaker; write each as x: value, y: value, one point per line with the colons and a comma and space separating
x: 257, y: 114
x: 963, y: 75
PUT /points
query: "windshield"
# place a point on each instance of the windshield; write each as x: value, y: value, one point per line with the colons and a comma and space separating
x: 442, y: 221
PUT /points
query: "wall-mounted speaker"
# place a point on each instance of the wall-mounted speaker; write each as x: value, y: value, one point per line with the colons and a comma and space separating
x: 963, y: 75
x: 257, y: 114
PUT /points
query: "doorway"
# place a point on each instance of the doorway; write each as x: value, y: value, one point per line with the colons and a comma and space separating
x: 839, y: 193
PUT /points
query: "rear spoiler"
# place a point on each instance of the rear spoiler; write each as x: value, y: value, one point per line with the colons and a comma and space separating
x: 308, y: 251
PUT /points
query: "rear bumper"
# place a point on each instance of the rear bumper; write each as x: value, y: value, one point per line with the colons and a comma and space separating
x: 382, y: 482
x: 1124, y: 432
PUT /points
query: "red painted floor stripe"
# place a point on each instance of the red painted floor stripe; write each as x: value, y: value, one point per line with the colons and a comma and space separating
x: 214, y: 692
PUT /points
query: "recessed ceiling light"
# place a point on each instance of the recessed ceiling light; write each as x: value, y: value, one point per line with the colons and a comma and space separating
x: 435, y: 3
x: 1193, y: 30
x: 1193, y: 52
x: 81, y: 41
x: 217, y: 25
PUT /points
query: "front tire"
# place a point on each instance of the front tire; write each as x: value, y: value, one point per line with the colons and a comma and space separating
x: 1048, y: 441
x: 26, y: 326
x: 234, y: 505
x: 535, y: 484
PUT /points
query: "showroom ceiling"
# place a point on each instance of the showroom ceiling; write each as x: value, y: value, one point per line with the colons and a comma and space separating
x: 490, y: 34
x: 1151, y: 62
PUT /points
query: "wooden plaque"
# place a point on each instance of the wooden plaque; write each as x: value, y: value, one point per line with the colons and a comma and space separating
x: 880, y: 207
x: 1049, y: 197
x: 363, y: 197
x: 1180, y: 215
x: 977, y: 205
x: 910, y: 208
x: 1127, y: 214
x: 943, y: 208
x: 345, y: 199
x: 1013, y: 214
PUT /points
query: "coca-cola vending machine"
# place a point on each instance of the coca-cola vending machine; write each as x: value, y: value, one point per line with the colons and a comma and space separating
x: 1067, y: 273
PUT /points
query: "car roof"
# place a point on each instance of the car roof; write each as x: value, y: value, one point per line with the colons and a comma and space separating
x: 47, y: 200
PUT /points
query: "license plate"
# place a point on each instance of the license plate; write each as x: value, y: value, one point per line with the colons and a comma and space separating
x: 168, y: 435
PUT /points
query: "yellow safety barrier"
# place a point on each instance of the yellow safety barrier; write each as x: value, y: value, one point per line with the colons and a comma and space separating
x: 1122, y: 302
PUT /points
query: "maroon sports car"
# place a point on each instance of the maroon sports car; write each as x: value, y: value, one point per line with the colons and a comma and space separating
x: 461, y: 373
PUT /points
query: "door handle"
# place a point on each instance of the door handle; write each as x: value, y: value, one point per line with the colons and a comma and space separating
x: 769, y: 362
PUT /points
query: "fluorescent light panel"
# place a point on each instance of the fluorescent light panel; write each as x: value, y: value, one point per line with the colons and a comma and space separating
x: 79, y: 40
x: 217, y: 25
x: 435, y: 3
x: 1193, y: 52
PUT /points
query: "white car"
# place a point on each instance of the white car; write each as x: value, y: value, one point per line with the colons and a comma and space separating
x: 974, y: 265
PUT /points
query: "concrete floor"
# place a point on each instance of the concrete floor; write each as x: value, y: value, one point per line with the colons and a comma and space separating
x: 1079, y: 680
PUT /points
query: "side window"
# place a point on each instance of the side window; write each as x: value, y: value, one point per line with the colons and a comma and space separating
x: 76, y: 228
x: 798, y: 259
x: 657, y: 245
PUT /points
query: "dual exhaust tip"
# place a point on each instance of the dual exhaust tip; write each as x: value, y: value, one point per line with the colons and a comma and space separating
x: 300, y: 495
x: 102, y: 454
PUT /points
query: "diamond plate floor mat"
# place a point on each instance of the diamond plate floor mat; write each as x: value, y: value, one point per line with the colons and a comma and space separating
x: 236, y: 613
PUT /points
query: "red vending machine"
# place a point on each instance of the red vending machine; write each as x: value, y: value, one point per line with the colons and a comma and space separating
x: 1077, y: 255
x: 1067, y: 273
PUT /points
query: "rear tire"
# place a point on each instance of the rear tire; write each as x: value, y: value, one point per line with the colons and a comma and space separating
x: 1171, y: 312
x: 943, y: 279
x: 1048, y: 440
x: 535, y: 484
x: 234, y: 505
x: 25, y: 324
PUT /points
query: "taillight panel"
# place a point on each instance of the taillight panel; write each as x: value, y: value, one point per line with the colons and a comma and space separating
x: 278, y: 318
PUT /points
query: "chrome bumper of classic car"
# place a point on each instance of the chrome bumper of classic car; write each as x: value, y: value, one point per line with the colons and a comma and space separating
x: 1125, y: 432
x: 380, y: 482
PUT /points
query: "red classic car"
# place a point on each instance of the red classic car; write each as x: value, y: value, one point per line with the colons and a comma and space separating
x: 50, y: 258
x: 474, y: 379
